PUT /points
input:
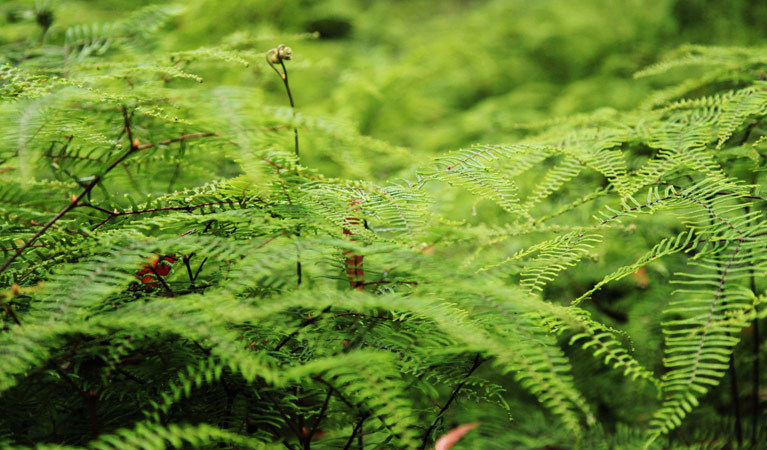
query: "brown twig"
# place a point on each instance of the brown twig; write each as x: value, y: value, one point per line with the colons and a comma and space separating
x: 177, y: 139
x: 477, y: 362
x: 320, y: 417
x: 10, y: 312
x: 188, y: 208
x: 349, y: 313
x: 89, y: 397
x: 161, y: 279
x: 77, y: 198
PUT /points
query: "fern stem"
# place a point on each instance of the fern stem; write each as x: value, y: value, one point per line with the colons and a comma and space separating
x: 188, y: 269
x: 90, y: 398
x: 132, y: 148
x: 477, y: 362
x: 320, y: 417
x: 161, y: 279
x: 284, y: 416
x: 199, y: 268
x: 755, y: 378
x: 284, y: 77
x: 736, y: 402
x: 11, y: 313
x: 304, y: 324
x: 754, y: 349
x: 355, y: 430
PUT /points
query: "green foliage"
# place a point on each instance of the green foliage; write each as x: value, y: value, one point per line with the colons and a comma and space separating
x: 176, y: 274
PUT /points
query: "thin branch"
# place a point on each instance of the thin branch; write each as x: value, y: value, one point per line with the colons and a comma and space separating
x: 157, y: 275
x: 284, y: 77
x: 320, y: 417
x: 130, y: 376
x: 10, y: 312
x: 280, y: 54
x: 477, y: 362
x: 303, y: 325
x: 736, y: 403
x: 76, y: 199
x: 356, y: 429
x: 284, y: 416
x: 349, y: 313
x: 753, y: 197
x: 199, y: 268
x: 176, y: 139
x: 90, y: 398
x: 188, y: 268
x: 188, y: 208
x: 368, y: 283
x: 754, y: 346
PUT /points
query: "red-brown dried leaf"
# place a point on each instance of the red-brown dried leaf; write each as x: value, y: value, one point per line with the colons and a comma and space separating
x: 448, y: 440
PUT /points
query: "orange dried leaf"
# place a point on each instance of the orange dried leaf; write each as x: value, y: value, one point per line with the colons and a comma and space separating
x: 448, y: 440
x: 641, y: 278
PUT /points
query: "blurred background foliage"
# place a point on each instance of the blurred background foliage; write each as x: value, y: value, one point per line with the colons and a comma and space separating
x: 426, y: 77
x: 432, y: 75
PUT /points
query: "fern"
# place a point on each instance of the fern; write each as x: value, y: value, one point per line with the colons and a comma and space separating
x: 173, y: 275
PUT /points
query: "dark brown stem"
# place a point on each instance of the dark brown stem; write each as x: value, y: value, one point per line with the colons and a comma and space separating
x: 10, y: 312
x: 199, y: 268
x: 356, y: 430
x: 161, y: 280
x: 427, y: 436
x: 152, y: 210
x: 285, y: 416
x: 303, y: 325
x: 364, y: 315
x: 754, y: 349
x: 90, y: 398
x: 76, y: 199
x: 320, y: 417
x: 736, y: 402
x: 284, y: 77
x: 188, y: 269
x: 177, y: 139
x: 753, y: 197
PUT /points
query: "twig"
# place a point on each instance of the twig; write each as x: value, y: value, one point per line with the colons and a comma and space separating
x: 367, y: 283
x: 477, y: 362
x: 364, y: 315
x: 176, y: 139
x: 130, y: 376
x: 321, y: 416
x: 90, y: 398
x: 189, y: 208
x: 188, y: 268
x: 157, y: 275
x: 356, y: 429
x: 76, y: 199
x: 280, y: 55
x: 199, y: 268
x: 284, y: 416
x: 736, y: 403
x: 11, y: 313
x: 754, y: 348
x: 303, y: 325
x: 754, y: 197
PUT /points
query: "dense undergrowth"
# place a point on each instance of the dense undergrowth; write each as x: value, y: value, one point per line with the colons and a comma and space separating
x: 191, y: 260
